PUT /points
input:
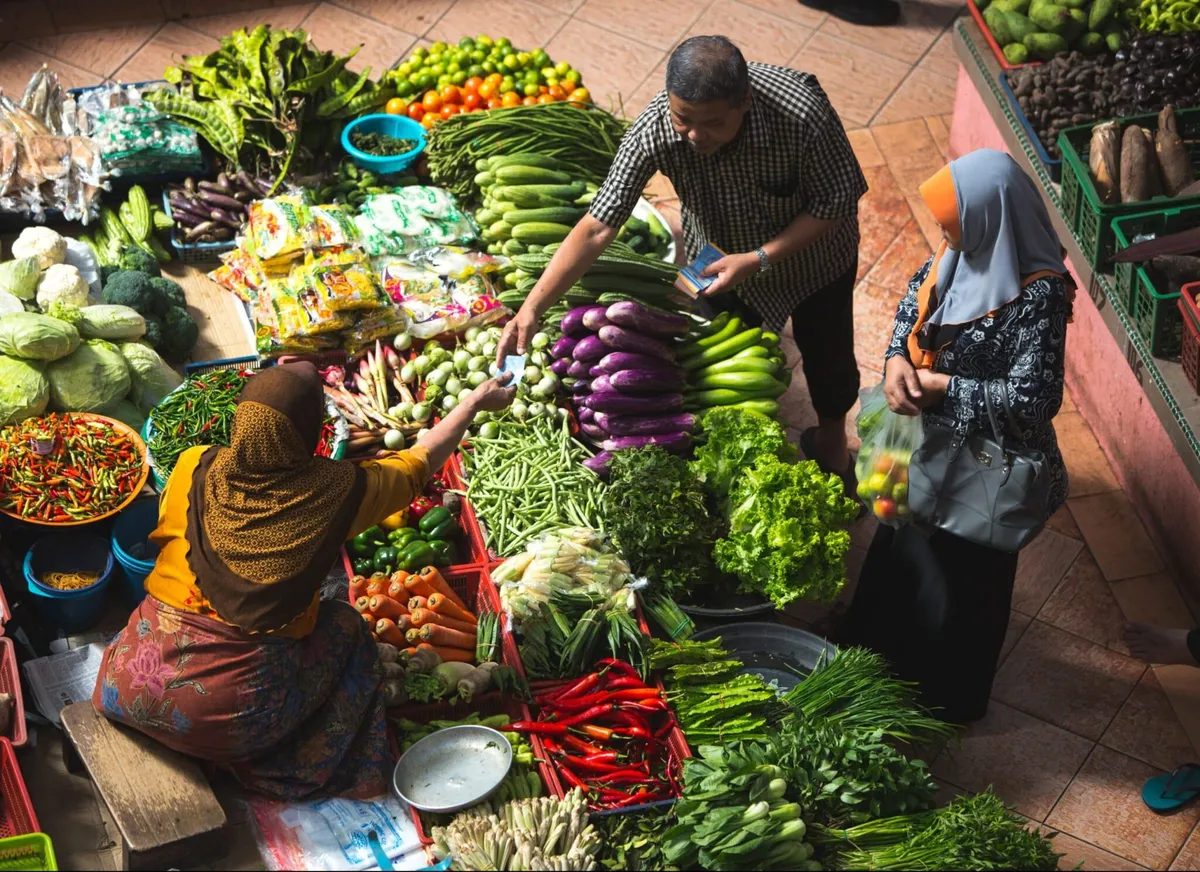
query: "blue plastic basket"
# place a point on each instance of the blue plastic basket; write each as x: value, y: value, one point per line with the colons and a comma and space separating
x: 1053, y: 167
x: 131, y: 534
x: 391, y: 125
x: 71, y: 611
x: 194, y: 252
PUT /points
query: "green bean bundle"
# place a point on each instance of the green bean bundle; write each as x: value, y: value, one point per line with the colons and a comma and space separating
x: 527, y: 479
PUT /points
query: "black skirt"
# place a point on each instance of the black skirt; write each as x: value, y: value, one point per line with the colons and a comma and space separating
x: 936, y: 607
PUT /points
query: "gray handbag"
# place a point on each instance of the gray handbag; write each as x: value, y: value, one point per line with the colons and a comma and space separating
x: 978, y: 487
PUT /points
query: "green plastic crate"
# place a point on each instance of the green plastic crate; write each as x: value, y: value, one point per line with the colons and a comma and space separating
x: 1091, y: 220
x: 33, y: 851
x: 1155, y: 314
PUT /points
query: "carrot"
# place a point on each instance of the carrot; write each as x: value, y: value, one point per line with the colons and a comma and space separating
x: 444, y: 606
x: 362, y: 603
x: 436, y: 635
x: 377, y: 586
x: 399, y: 575
x: 411, y: 652
x: 417, y: 602
x: 421, y: 617
x: 370, y: 619
x: 455, y: 655
x: 397, y: 591
x: 387, y: 631
x: 358, y: 587
x: 404, y: 622
x: 387, y: 608
x: 435, y: 580
x: 413, y: 636
x: 416, y: 584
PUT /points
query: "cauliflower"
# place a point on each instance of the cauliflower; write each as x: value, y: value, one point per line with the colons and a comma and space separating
x: 62, y: 283
x: 42, y: 243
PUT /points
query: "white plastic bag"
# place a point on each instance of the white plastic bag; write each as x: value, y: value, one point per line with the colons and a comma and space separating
x: 888, y: 443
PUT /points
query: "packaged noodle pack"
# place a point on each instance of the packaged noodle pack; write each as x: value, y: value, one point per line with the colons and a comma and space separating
x: 332, y: 227
x: 241, y: 273
x: 301, y: 311
x: 280, y: 229
x: 345, y: 283
x: 455, y: 262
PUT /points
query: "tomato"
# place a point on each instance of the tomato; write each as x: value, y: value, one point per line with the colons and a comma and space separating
x: 545, y: 98
x: 430, y: 119
x: 511, y: 99
x: 472, y: 101
x: 432, y: 101
x: 543, y: 89
x: 396, y: 106
x: 880, y: 484
x: 451, y: 94
x: 494, y: 103
x: 416, y: 110
x: 469, y: 109
x: 487, y: 90
x: 580, y: 95
x: 450, y: 109
x: 473, y: 83
x: 557, y: 92
x: 495, y: 79
x: 885, y: 509
x: 529, y: 101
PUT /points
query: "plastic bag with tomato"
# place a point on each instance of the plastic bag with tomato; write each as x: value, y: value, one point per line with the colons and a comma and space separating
x: 888, y: 443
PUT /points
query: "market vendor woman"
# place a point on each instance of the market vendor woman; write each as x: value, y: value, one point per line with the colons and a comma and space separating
x: 232, y: 657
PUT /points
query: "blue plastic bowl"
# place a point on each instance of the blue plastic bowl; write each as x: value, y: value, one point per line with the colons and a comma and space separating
x: 71, y: 611
x: 391, y: 125
x: 130, y: 535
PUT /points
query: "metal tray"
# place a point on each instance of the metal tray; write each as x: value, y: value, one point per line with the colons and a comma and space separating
x: 774, y: 652
x: 452, y: 769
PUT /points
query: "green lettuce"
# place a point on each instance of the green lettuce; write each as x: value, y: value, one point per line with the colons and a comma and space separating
x: 735, y: 440
x: 787, y: 532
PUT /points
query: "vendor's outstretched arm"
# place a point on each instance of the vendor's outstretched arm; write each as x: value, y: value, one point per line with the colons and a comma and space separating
x: 586, y: 242
x: 443, y: 438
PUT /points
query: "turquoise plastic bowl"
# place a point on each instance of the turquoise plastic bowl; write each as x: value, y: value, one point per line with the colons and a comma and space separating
x: 130, y: 536
x: 390, y: 125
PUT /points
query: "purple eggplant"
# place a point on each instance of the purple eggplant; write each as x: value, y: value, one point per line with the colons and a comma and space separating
x: 578, y: 369
x: 593, y: 319
x: 596, y: 372
x: 637, y: 317
x: 561, y: 366
x: 572, y: 322
x: 562, y: 348
x: 591, y: 431
x: 584, y: 415
x: 590, y: 349
x: 621, y: 339
x: 647, y: 381
x: 583, y: 386
x: 625, y: 404
x: 619, y: 360
x: 601, y: 385
x: 599, y: 464
x: 646, y: 425
x: 674, y: 442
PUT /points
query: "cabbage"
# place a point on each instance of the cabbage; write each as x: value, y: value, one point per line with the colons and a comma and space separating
x: 20, y: 277
x: 10, y: 304
x: 127, y: 413
x: 151, y: 378
x: 91, y: 379
x: 110, y: 322
x: 37, y: 337
x: 24, y: 391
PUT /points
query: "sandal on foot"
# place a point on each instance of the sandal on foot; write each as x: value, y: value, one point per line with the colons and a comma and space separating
x: 1166, y: 793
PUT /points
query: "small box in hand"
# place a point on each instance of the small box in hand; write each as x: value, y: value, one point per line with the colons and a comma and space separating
x: 691, y: 280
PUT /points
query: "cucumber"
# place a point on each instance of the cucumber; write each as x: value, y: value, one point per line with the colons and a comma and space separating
x: 486, y: 217
x: 738, y: 380
x: 540, y: 232
x: 536, y: 196
x: 722, y: 350
x: 759, y: 351
x: 510, y: 280
x: 527, y: 175
x: 523, y: 160
x: 512, y: 247
x: 484, y: 179
x: 555, y: 215
x: 497, y: 232
x: 736, y: 365
x: 502, y: 206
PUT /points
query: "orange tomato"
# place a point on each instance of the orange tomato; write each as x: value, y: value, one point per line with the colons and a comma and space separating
x: 494, y: 102
x: 543, y: 89
x: 451, y: 94
x: 473, y: 83
x: 473, y: 101
x: 430, y: 119
x: 396, y: 106
x: 512, y: 98
x: 469, y: 109
x: 416, y: 110
x: 450, y: 109
x: 529, y: 101
x: 494, y: 80
x: 487, y: 90
x: 545, y: 98
x: 432, y: 101
x: 580, y: 95
x: 557, y: 92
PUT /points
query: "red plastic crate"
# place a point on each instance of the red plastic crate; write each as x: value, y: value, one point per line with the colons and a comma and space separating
x: 1189, y: 354
x: 17, y: 817
x: 996, y: 48
x: 10, y: 682
x: 5, y: 612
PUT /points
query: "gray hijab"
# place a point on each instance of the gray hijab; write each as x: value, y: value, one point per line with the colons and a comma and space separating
x: 1006, y: 234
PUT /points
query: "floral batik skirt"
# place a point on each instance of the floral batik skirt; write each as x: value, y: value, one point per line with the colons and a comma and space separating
x: 287, y: 717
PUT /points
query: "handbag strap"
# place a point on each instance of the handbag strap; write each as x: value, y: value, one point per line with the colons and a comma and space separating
x: 1011, y: 428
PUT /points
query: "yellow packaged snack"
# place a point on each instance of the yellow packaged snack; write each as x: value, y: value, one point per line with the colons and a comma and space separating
x: 302, y: 312
x: 345, y: 287
x: 333, y: 227
x: 279, y: 229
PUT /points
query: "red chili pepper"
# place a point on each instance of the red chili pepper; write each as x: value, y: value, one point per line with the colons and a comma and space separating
x: 572, y: 779
x: 582, y: 764
x: 631, y: 717
x: 582, y: 702
x: 619, y: 666
x: 610, y: 795
x: 540, y: 727
x: 624, y: 776
x: 624, y: 682
x: 650, y: 706
x: 577, y: 744
x: 582, y: 686
x: 634, y: 733
x: 552, y: 746
x: 585, y: 716
x: 608, y: 758
x: 671, y: 762
x: 640, y: 798
x: 666, y: 728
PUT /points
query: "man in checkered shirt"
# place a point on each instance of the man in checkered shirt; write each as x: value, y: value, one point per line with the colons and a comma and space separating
x: 764, y: 172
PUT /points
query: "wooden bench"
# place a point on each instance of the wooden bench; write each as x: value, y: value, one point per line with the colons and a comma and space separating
x: 161, y: 801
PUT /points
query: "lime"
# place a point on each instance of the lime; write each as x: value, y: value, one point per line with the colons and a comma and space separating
x: 488, y: 67
x: 438, y: 47
x: 435, y: 57
x: 437, y: 69
x: 508, y: 83
x: 484, y: 41
x: 531, y: 89
x: 443, y: 80
x: 524, y: 57
x: 459, y: 77
x: 453, y: 68
x: 415, y: 78
x: 549, y: 73
x: 540, y: 58
x: 466, y: 43
x: 475, y: 70
x: 562, y: 68
x: 478, y: 56
x: 405, y: 88
x: 428, y: 80
x: 573, y: 76
x: 531, y: 77
x: 504, y: 42
x: 512, y: 62
x: 405, y: 69
x: 419, y: 52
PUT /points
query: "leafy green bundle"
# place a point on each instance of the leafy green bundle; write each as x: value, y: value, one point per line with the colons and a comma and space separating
x: 635, y: 841
x: 735, y: 439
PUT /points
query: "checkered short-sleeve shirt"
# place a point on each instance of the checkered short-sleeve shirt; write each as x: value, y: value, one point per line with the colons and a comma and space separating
x: 791, y: 157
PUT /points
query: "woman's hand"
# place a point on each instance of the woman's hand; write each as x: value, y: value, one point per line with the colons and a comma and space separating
x: 492, y: 395
x: 517, y: 333
x: 902, y: 386
x: 933, y: 386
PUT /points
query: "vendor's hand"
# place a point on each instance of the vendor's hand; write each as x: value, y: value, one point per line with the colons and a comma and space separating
x: 731, y: 271
x: 901, y: 386
x: 517, y: 333
x: 933, y: 386
x: 492, y: 395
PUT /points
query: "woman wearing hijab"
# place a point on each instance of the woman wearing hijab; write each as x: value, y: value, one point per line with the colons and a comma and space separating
x: 985, y: 317
x: 232, y: 656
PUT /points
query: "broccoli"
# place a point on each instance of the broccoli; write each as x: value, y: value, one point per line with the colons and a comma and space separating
x: 154, y: 331
x: 106, y: 272
x: 179, y: 334
x: 167, y: 294
x: 135, y: 258
x: 132, y: 289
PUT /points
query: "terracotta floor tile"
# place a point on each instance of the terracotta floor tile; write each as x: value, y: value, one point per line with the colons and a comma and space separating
x: 874, y: 317
x: 905, y: 255
x: 790, y: 10
x: 167, y: 48
x: 910, y: 151
x: 411, y: 16
x: 941, y: 58
x: 919, y: 26
x: 760, y: 37
x: 1074, y: 851
x: 182, y: 9
x: 339, y: 30
x: 101, y: 52
x: 1083, y: 604
x: 923, y: 93
x: 940, y: 131
x: 1148, y: 729
x: 930, y: 229
x: 1063, y: 522
x: 1181, y: 684
x: 661, y: 24
x: 527, y: 24
x: 1029, y: 762
x: 1087, y: 467
x: 1153, y: 599
x: 18, y: 64
x: 1189, y: 855
x: 72, y: 16
x: 26, y: 19
x: 1104, y: 806
x: 613, y: 66
x: 1115, y: 534
x: 865, y: 149
x: 857, y: 79
x: 640, y: 97
x: 1040, y: 567
x: 222, y: 24
x: 882, y: 215
x: 1017, y: 625
x: 1065, y: 680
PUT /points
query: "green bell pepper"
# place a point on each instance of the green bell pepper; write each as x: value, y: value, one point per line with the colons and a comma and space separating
x: 367, y: 542
x: 434, y: 518
x: 363, y: 566
x: 441, y: 552
x: 416, y: 555
x: 444, y: 530
x: 387, y: 559
x: 401, y: 537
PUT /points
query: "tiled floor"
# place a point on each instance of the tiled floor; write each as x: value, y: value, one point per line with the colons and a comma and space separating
x: 1076, y: 725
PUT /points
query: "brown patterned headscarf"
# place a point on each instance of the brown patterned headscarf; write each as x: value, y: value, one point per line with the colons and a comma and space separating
x: 266, y: 518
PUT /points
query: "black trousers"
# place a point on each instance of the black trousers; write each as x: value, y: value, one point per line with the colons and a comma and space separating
x: 823, y: 327
x: 936, y: 607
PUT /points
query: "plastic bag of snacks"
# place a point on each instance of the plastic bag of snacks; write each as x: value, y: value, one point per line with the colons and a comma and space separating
x: 332, y: 227
x: 301, y: 311
x: 267, y: 341
x: 381, y: 323
x: 241, y: 273
x: 346, y: 284
x: 457, y: 263
x: 279, y: 230
x: 411, y: 219
x: 888, y: 443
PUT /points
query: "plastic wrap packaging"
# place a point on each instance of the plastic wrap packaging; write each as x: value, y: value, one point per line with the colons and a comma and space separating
x: 438, y: 304
x: 410, y: 219
x: 280, y: 230
x: 888, y: 443
x: 345, y: 286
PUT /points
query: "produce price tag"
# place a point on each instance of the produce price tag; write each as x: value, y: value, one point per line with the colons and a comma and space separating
x: 514, y: 363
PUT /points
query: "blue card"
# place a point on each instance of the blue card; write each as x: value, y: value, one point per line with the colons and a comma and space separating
x: 514, y: 363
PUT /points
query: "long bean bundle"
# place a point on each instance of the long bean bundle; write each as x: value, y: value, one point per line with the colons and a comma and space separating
x: 527, y: 479
x: 583, y: 138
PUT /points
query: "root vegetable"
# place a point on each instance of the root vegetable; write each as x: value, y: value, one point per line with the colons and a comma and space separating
x: 454, y: 655
x: 1104, y: 160
x: 1173, y: 158
x: 443, y: 605
x: 435, y: 580
x: 450, y: 674
x: 444, y: 636
x: 393, y: 693
x: 387, y: 653
x: 421, y: 617
x: 423, y: 658
x: 1139, y: 166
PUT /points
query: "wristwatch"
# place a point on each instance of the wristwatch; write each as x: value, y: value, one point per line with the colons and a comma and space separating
x: 764, y: 262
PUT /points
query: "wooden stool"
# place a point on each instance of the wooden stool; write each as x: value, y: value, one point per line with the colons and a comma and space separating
x: 160, y: 800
